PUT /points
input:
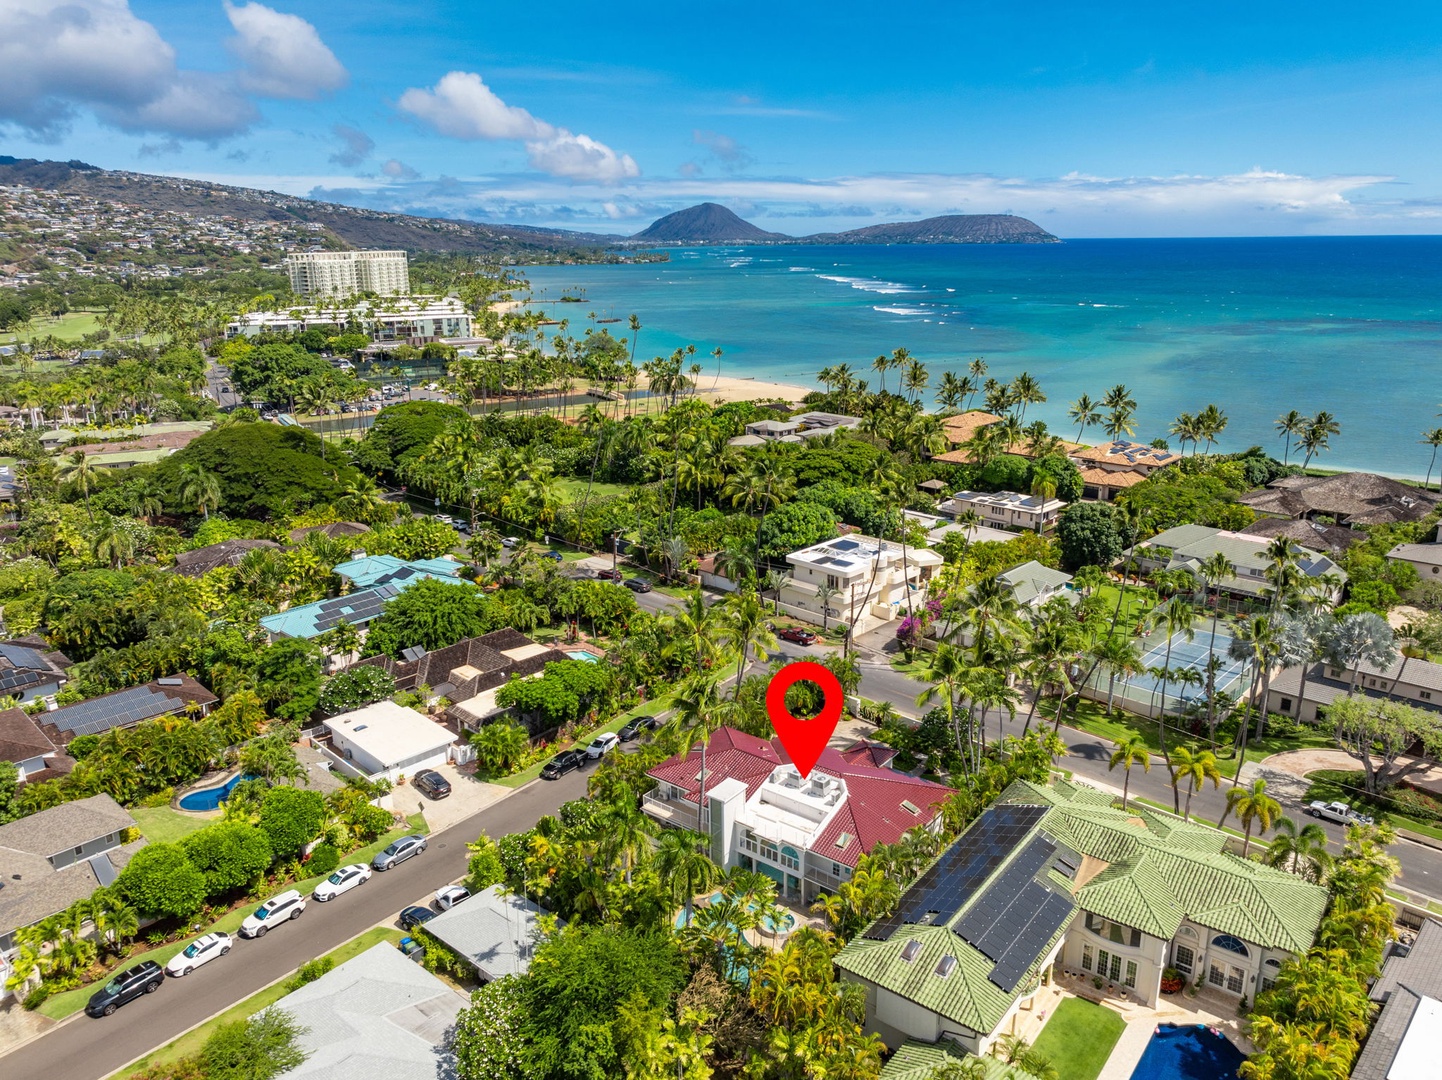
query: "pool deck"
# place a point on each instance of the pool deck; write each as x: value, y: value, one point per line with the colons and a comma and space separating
x: 1209, y: 1009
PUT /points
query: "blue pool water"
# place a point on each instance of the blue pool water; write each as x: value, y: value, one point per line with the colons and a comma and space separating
x: 788, y: 921
x: 578, y: 655
x: 1192, y: 1052
x: 210, y: 798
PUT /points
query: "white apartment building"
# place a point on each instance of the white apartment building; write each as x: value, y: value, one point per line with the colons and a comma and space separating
x: 414, y: 320
x: 871, y: 579
x: 346, y: 273
x: 1005, y: 509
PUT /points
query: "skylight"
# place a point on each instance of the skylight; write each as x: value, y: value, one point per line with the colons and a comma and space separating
x: 946, y: 967
x: 843, y: 840
x: 911, y: 808
x: 910, y: 949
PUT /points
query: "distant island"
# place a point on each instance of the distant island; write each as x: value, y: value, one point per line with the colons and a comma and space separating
x: 712, y: 223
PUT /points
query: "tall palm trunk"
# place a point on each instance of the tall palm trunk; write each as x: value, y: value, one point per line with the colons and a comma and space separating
x: 1162, y: 729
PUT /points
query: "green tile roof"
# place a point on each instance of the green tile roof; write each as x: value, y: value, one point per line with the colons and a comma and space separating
x: 1163, y: 871
x: 918, y: 1060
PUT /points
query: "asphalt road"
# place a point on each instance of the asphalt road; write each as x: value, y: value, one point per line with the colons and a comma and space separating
x: 86, y: 1049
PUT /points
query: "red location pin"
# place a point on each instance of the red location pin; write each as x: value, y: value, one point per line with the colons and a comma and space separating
x: 804, y: 739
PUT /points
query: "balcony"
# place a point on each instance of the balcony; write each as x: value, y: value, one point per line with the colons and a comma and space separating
x: 671, y: 812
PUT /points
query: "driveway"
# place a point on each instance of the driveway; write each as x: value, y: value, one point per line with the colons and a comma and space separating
x: 468, y: 796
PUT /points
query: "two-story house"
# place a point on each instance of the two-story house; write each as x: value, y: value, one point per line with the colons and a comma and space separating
x: 1058, y: 877
x: 1005, y: 509
x: 863, y: 582
x: 1186, y: 547
x: 1408, y: 680
x: 1111, y: 467
x: 807, y: 834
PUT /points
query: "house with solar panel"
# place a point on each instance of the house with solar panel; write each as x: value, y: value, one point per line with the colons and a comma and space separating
x: 1056, y: 879
x: 1186, y: 547
x: 373, y: 580
x: 869, y: 581
x: 126, y: 708
x: 805, y: 833
x: 30, y: 670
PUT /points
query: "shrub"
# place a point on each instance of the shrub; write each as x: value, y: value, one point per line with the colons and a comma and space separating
x: 355, y: 687
x: 309, y: 972
x: 323, y: 859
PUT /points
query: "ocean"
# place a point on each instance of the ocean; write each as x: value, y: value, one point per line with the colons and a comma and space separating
x: 1257, y: 326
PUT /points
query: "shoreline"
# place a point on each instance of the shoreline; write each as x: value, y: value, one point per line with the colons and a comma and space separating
x: 743, y: 388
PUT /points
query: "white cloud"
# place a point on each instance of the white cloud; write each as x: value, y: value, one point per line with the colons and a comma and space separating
x: 399, y: 170
x: 195, y: 105
x: 282, y: 56
x: 730, y: 153
x: 356, y: 146
x: 462, y: 106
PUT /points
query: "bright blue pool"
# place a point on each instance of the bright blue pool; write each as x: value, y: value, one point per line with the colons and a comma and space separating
x: 210, y: 798
x: 588, y: 657
x: 786, y: 925
x: 1193, y: 1052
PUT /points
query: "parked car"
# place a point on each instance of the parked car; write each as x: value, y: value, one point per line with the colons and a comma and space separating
x: 415, y: 915
x: 602, y: 745
x: 511, y: 541
x: 431, y: 784
x: 1339, y: 812
x: 635, y: 584
x: 445, y: 519
x: 399, y: 851
x: 278, y: 909
x: 451, y: 895
x: 798, y: 636
x: 144, y: 978
x: 554, y: 556
x: 633, y: 730
x: 343, y: 880
x: 202, y: 950
x: 609, y: 575
x: 563, y: 763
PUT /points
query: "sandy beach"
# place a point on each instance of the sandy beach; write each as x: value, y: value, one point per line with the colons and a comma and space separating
x: 731, y: 388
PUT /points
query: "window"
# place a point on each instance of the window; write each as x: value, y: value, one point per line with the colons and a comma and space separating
x: 1103, y: 958
x: 1131, y: 979
x: 1234, y: 980
x: 1116, y: 972
x: 1231, y: 944
x: 832, y: 581
x: 1286, y: 704
x: 1216, y: 976
x: 1268, y: 977
x: 1086, y: 957
x: 1182, y: 959
x: 1114, y: 932
x: 1425, y: 695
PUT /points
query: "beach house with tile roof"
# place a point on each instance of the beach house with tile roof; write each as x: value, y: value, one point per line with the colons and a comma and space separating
x: 1186, y: 547
x: 1057, y: 876
x: 962, y: 428
x: 807, y: 834
x: 1110, y: 468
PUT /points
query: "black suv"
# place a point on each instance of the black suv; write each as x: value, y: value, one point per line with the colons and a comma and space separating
x: 415, y: 915
x: 143, y: 978
x: 431, y: 783
x: 633, y: 730
x: 563, y: 763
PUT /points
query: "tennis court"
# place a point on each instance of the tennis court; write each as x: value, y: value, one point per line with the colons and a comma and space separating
x: 1143, y: 692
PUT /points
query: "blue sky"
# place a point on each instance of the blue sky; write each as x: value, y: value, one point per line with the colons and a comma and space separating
x: 1123, y: 119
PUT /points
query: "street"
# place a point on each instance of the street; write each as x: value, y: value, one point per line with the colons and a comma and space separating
x: 86, y: 1049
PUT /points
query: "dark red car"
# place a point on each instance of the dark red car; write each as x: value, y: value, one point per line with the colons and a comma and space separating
x: 609, y: 575
x: 796, y: 635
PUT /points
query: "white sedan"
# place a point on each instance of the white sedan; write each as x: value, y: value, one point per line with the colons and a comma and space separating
x: 202, y: 950
x: 451, y: 895
x: 343, y: 880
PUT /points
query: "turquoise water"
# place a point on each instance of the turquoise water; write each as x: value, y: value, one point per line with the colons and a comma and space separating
x: 210, y: 798
x: 788, y: 921
x: 1258, y: 326
x: 579, y: 655
x: 1192, y: 1052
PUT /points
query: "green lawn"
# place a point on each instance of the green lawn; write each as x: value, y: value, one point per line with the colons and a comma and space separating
x: 162, y: 825
x: 650, y: 708
x: 190, y: 1043
x: 1079, y: 1038
x: 1139, y: 601
x: 62, y: 1005
x: 575, y: 489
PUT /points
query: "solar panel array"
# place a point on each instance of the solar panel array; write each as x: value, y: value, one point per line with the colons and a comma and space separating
x: 21, y: 656
x: 19, y: 678
x: 356, y: 607
x: 950, y: 882
x: 113, y: 710
x: 1017, y: 915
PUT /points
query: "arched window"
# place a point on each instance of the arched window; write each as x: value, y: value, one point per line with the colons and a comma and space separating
x: 1231, y: 944
x: 1186, y: 931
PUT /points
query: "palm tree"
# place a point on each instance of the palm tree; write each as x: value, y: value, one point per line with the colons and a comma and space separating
x: 824, y: 595
x: 1361, y: 638
x: 1120, y: 657
x: 773, y: 583
x: 1195, y: 766
x: 1119, y: 422
x: 682, y: 863
x: 78, y: 468
x: 199, y: 487
x: 501, y: 745
x: 625, y: 829
x: 1253, y: 806
x: 1289, y: 425
x: 1432, y: 438
x: 1027, y: 391
x: 1317, y: 436
x: 1130, y: 751
x: 743, y: 626
x: 1084, y: 412
x: 1258, y: 642
x: 1302, y: 851
x: 1174, y: 617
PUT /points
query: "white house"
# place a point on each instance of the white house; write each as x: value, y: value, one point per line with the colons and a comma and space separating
x: 1426, y: 559
x: 870, y: 580
x: 1005, y: 509
x: 386, y: 740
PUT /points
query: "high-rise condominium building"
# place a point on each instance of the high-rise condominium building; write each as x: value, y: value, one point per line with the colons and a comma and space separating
x: 344, y: 273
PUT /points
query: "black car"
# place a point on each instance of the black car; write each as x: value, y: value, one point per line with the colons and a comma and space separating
x: 563, y: 763
x: 635, y: 727
x: 431, y: 783
x: 415, y: 915
x: 143, y: 978
x: 635, y: 584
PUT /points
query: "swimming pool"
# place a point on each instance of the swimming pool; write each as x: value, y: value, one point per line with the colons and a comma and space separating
x: 1190, y: 1052
x: 589, y: 658
x: 785, y: 926
x: 210, y: 798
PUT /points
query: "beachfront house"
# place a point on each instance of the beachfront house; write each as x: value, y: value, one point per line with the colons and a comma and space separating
x: 806, y: 834
x: 963, y: 427
x: 1005, y: 509
x: 857, y: 580
x: 1408, y: 680
x: 1351, y: 499
x: 1186, y: 547
x: 385, y: 741
x: 795, y: 429
x: 415, y: 320
x: 1112, y: 467
x: 1057, y: 879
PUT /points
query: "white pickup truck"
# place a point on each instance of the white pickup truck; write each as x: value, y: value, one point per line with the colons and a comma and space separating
x: 1339, y: 812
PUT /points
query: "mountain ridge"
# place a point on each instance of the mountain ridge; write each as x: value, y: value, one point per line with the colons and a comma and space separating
x: 706, y: 222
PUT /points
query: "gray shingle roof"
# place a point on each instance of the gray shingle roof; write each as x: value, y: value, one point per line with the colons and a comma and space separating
x: 1403, y: 979
x: 1354, y: 498
x: 65, y: 826
x: 32, y: 889
x: 378, y: 1016
x: 226, y: 553
x: 493, y: 930
x: 20, y: 738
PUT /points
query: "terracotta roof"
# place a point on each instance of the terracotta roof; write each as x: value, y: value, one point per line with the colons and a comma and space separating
x: 1099, y: 477
x: 1128, y: 453
x: 869, y: 753
x: 226, y: 553
x: 872, y: 813
x: 21, y: 738
x: 963, y: 426
x: 1351, y: 498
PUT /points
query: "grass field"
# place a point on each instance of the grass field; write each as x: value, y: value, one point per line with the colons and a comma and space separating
x: 190, y: 1043
x: 162, y: 825
x: 650, y: 708
x: 575, y: 489
x: 69, y: 327
x: 62, y: 1005
x: 1079, y: 1038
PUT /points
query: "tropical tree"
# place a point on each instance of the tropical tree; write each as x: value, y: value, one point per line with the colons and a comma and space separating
x: 1196, y: 767
x: 199, y: 487
x: 1084, y: 412
x: 743, y: 627
x: 1130, y: 751
x: 1432, y: 438
x: 683, y: 865
x: 79, y: 470
x: 1175, y: 618
x: 1290, y: 425
x: 1253, y: 806
x: 1302, y: 851
x: 501, y: 745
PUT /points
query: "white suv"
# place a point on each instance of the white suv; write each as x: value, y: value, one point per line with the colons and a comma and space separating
x: 602, y: 745
x: 278, y: 909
